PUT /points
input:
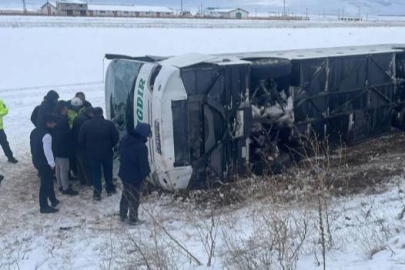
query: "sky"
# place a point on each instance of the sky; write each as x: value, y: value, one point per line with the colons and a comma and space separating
x: 389, y: 7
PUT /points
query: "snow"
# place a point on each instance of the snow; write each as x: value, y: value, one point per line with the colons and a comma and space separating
x: 134, y: 8
x: 86, y: 235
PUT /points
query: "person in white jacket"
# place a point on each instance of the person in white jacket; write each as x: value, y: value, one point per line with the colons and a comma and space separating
x: 44, y: 161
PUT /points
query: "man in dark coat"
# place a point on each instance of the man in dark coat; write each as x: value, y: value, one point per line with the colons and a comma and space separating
x: 133, y: 170
x: 47, y: 106
x: 99, y: 136
x: 62, y: 145
x: 83, y: 168
x: 44, y: 162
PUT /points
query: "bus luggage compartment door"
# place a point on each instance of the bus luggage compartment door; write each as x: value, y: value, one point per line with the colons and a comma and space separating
x: 217, y: 125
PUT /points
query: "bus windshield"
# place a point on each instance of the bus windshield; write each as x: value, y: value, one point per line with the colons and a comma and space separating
x: 119, y: 87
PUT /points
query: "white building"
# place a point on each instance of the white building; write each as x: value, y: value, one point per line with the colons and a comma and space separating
x: 128, y: 11
x: 71, y: 8
x: 237, y: 13
x: 17, y: 11
x: 229, y: 13
x: 49, y: 8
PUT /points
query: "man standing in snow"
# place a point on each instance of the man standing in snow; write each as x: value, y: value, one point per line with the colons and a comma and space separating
x: 134, y: 169
x: 82, y: 163
x: 1, y: 178
x: 47, y: 106
x: 75, y: 106
x: 62, y: 145
x: 44, y: 162
x: 99, y: 136
x: 3, y: 138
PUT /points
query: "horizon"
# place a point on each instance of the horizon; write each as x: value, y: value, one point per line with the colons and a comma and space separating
x: 312, y: 7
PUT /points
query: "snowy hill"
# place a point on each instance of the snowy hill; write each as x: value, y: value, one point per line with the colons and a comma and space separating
x: 351, y: 7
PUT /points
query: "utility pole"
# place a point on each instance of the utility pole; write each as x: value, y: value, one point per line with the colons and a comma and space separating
x: 181, y: 5
x: 284, y: 14
x: 24, y: 7
x: 359, y: 12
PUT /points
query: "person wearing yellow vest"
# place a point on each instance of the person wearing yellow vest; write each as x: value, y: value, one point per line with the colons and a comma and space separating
x: 3, y: 138
x: 76, y: 105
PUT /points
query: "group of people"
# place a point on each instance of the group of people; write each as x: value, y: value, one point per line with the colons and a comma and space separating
x: 72, y: 136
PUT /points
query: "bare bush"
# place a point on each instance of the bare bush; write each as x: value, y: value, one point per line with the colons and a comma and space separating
x: 275, y: 241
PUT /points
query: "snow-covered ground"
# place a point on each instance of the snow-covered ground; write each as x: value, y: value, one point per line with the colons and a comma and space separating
x: 111, y: 22
x: 85, y: 235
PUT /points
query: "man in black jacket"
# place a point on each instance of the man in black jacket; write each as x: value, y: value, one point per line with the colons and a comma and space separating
x: 47, y: 106
x: 133, y: 170
x: 44, y: 162
x: 62, y: 145
x: 99, y: 136
x: 83, y: 168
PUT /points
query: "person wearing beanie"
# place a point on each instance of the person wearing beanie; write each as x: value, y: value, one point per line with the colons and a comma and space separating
x: 134, y: 169
x: 44, y: 161
x: 3, y: 137
x: 62, y: 146
x: 99, y: 136
x: 47, y: 106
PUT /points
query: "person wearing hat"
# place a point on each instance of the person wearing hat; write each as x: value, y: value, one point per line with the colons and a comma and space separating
x: 3, y: 138
x: 44, y: 161
x: 47, y: 106
x: 82, y: 96
x: 76, y: 105
x: 99, y: 136
x: 134, y: 169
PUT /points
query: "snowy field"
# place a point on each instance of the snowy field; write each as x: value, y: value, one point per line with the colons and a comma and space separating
x: 110, y: 22
x: 37, y: 54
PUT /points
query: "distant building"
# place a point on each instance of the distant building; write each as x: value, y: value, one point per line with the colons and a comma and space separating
x: 50, y: 8
x: 71, y: 8
x: 230, y: 13
x: 17, y: 11
x: 128, y: 11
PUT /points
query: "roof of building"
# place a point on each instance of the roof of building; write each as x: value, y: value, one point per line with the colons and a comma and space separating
x: 133, y: 8
x: 71, y: 1
x: 50, y: 3
x: 226, y: 10
x: 17, y: 9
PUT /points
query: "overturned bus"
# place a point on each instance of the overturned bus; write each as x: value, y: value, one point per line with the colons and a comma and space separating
x: 217, y: 116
